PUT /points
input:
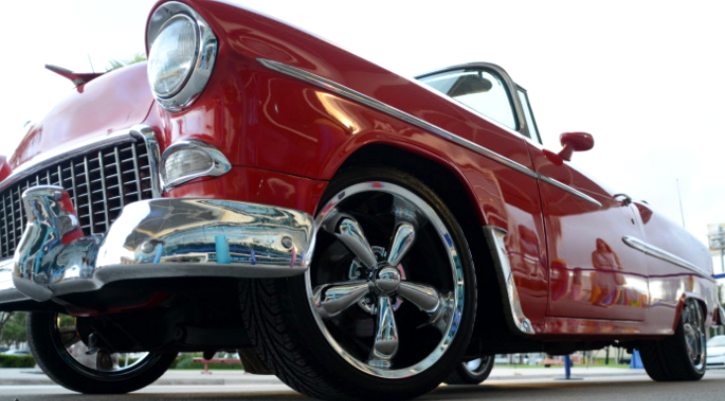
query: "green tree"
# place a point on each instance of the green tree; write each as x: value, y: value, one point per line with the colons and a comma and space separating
x: 137, y: 58
x: 4, y: 318
x: 13, y: 331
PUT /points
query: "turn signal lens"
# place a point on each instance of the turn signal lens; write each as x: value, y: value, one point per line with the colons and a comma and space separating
x: 187, y: 160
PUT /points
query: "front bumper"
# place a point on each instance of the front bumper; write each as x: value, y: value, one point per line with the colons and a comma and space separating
x: 157, y: 238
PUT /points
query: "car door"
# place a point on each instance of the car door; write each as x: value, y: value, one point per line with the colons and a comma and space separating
x: 593, y: 273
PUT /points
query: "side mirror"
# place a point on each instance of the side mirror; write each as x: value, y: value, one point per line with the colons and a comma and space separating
x: 575, y: 141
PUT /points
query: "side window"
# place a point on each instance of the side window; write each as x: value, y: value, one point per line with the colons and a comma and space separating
x: 478, y: 89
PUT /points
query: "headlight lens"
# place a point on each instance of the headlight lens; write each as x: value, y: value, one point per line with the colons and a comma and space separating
x: 172, y: 56
x: 182, y: 51
x: 187, y: 160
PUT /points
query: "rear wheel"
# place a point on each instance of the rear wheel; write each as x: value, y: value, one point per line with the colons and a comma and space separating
x: 60, y: 352
x: 387, y: 307
x: 473, y: 371
x: 680, y: 357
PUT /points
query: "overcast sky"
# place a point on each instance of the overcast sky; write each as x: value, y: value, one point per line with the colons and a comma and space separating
x: 645, y: 78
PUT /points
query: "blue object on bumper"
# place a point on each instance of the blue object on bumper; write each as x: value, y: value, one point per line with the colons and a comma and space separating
x: 157, y: 238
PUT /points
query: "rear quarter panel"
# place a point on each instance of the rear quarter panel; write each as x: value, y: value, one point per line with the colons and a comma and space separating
x: 670, y: 284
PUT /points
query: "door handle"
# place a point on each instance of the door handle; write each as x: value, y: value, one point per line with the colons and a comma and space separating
x: 624, y: 198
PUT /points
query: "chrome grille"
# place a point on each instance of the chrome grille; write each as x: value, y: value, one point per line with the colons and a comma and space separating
x: 100, y: 182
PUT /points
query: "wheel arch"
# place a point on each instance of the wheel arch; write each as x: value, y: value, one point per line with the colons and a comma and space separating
x: 448, y: 183
x: 699, y: 301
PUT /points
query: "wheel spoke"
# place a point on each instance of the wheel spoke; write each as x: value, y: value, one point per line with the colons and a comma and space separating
x: 349, y: 232
x: 423, y: 296
x: 401, y: 244
x: 331, y: 299
x: 386, y: 336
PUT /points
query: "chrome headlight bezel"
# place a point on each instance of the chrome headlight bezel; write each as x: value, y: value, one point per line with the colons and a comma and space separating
x: 198, y: 76
x: 217, y: 163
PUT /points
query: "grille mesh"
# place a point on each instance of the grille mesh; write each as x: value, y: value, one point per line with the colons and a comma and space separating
x: 99, y: 183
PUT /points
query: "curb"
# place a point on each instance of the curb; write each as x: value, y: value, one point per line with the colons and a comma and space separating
x: 557, y: 375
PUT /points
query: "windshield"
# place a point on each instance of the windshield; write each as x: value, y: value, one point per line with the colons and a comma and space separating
x: 478, y: 89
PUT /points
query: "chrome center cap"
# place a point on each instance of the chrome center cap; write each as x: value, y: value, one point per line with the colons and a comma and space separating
x: 388, y: 280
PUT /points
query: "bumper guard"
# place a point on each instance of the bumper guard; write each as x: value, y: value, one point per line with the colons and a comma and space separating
x: 157, y: 238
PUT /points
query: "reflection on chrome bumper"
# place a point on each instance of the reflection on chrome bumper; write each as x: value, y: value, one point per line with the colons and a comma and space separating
x: 155, y: 238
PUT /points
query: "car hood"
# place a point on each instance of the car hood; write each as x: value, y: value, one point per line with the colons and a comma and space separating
x: 113, y: 102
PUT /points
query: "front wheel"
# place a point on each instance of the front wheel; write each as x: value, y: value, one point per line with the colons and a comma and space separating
x: 473, y: 371
x: 387, y: 307
x: 682, y: 356
x: 60, y: 352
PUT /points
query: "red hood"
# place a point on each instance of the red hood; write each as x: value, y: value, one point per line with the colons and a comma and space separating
x: 112, y: 102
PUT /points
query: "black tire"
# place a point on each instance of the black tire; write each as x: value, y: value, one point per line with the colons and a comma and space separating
x: 474, y: 371
x: 352, y: 351
x: 683, y: 356
x: 49, y: 344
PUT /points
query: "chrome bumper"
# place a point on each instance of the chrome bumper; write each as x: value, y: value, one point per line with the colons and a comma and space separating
x: 157, y: 238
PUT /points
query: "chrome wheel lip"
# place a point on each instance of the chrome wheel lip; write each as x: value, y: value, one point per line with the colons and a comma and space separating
x: 457, y: 277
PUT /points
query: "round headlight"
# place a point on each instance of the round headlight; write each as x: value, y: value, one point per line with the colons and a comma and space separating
x: 172, y: 56
x: 182, y: 51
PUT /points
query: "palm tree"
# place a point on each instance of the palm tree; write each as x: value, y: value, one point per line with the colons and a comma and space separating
x: 115, y: 64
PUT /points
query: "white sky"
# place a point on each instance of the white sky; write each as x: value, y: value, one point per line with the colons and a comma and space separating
x: 644, y: 77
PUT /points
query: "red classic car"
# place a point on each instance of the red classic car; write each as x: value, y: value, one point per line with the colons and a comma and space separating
x: 356, y: 233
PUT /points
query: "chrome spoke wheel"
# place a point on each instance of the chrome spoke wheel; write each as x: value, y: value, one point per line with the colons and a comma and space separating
x: 683, y: 355
x: 58, y: 343
x: 96, y: 361
x: 695, y: 338
x: 386, y: 282
x: 387, y: 305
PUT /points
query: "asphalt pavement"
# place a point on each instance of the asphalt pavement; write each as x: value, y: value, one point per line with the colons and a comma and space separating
x: 33, y: 376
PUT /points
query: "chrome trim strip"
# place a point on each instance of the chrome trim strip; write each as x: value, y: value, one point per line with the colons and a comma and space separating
x: 156, y: 238
x: 62, y: 154
x: 372, y: 103
x: 495, y: 237
x: 661, y: 254
x: 358, y: 97
x: 154, y: 151
x: 569, y: 189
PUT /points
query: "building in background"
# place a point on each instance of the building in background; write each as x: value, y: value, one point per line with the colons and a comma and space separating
x: 716, y: 243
